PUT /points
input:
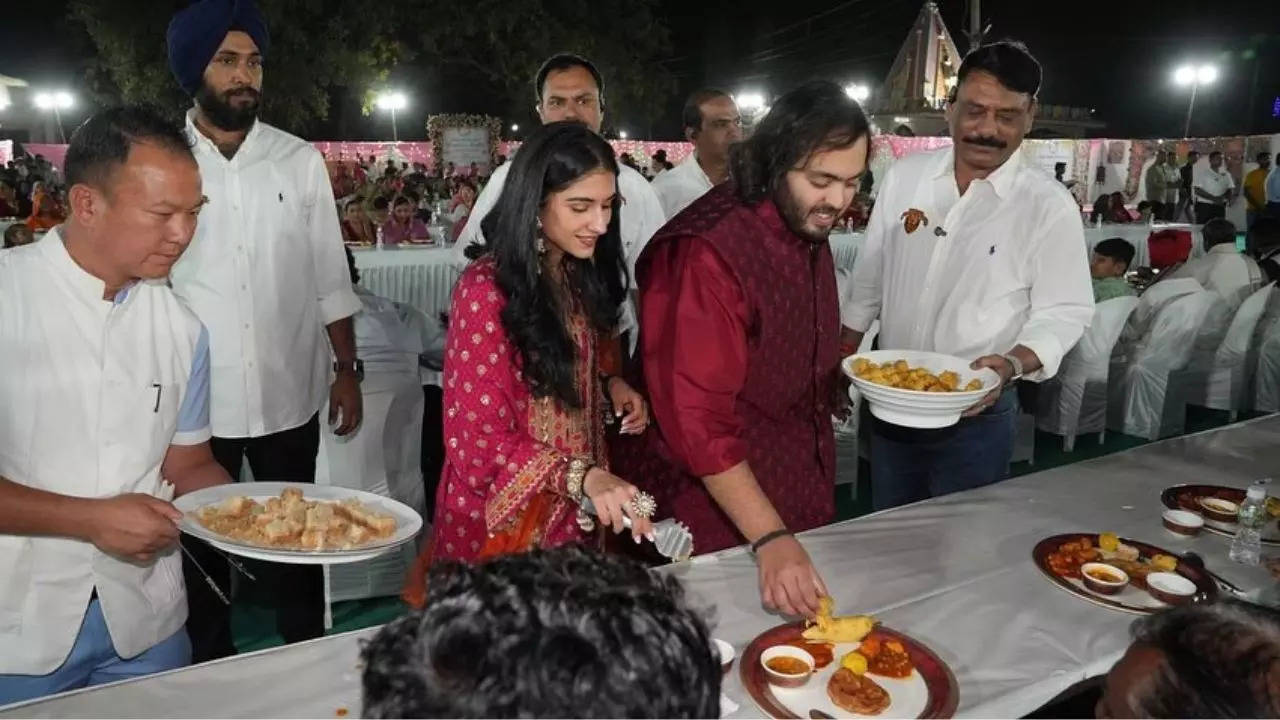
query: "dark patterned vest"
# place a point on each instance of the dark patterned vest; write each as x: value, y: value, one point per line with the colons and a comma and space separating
x: 793, y: 341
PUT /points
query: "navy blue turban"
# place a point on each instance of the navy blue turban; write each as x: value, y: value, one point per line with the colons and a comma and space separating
x: 196, y: 32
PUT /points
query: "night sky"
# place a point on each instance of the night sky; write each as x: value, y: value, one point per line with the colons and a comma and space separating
x: 1115, y: 56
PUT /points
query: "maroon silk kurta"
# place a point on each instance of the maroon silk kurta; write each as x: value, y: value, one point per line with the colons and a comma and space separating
x: 739, y: 351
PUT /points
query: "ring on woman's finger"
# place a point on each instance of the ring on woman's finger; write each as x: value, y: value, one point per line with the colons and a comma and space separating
x: 642, y: 505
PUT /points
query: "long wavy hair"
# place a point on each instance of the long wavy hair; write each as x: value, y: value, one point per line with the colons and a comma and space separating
x: 554, y: 157
x: 815, y: 117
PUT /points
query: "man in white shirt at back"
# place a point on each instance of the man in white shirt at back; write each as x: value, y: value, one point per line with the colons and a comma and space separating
x: 1212, y: 188
x: 569, y: 87
x: 1223, y: 268
x: 267, y: 276
x: 712, y: 123
x: 971, y: 251
x: 105, y: 395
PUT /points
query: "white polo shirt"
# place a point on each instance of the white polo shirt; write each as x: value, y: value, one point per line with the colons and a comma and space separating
x: 679, y: 187
x: 93, y: 394
x: 1003, y: 265
x: 1214, y: 182
x: 266, y: 273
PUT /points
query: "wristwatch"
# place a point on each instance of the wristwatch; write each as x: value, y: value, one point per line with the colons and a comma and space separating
x: 1016, y: 364
x: 356, y: 366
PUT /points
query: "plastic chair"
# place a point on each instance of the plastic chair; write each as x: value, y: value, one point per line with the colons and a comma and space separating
x: 1168, y: 247
x: 383, y: 456
x: 1266, y: 376
x: 1141, y: 399
x: 1074, y: 401
x: 1221, y: 381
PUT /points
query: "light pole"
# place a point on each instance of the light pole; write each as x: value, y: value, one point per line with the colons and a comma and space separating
x: 1193, y: 76
x: 57, y: 102
x: 858, y: 92
x: 393, y: 101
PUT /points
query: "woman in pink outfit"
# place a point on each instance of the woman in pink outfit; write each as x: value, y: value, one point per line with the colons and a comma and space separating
x: 401, y: 226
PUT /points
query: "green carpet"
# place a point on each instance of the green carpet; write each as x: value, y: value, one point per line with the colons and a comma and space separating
x: 253, y: 623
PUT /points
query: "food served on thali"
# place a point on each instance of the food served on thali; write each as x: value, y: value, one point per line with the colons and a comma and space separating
x: 823, y: 652
x: 787, y: 665
x: 291, y: 522
x: 1066, y: 559
x: 825, y: 628
x: 901, y: 375
x: 857, y: 693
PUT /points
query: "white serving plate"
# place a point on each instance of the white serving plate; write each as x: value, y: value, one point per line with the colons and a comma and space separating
x: 408, y: 521
x: 916, y: 408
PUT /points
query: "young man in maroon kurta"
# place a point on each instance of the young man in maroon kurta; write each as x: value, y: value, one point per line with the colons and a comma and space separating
x: 739, y: 347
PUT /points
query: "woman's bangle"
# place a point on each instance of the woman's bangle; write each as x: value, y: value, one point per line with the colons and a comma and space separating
x: 768, y: 538
x: 575, y: 478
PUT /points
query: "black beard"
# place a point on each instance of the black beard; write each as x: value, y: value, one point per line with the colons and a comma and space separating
x: 225, y: 116
x: 794, y: 216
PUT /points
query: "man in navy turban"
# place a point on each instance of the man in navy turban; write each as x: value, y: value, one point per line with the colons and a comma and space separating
x: 266, y: 274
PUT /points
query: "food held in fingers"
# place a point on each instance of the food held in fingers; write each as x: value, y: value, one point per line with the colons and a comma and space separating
x: 850, y: 628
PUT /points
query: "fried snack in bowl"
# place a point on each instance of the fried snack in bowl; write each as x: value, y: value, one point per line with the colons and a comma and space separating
x: 825, y: 628
x: 857, y: 693
x: 901, y: 375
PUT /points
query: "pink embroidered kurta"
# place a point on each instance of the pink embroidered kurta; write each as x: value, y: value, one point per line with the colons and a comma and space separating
x: 506, y: 452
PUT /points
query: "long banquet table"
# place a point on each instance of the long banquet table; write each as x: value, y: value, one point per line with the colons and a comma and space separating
x: 954, y: 572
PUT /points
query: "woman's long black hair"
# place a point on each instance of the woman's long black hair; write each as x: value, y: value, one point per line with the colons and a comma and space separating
x: 555, y: 156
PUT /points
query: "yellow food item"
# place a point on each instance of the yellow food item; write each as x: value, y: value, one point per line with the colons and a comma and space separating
x: 825, y: 628
x: 854, y: 662
x: 1108, y: 541
x: 1167, y: 563
x: 899, y: 374
x: 1273, y: 507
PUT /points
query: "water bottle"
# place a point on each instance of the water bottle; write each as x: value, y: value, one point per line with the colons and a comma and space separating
x: 1246, y: 548
x: 379, y: 234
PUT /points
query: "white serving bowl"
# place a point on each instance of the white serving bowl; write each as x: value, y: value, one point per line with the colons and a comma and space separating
x: 917, y: 408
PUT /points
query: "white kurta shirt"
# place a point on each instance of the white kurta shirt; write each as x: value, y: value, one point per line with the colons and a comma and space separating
x: 1010, y: 270
x: 93, y: 394
x: 266, y: 273
x: 1214, y: 182
x: 679, y: 187
x: 1224, y: 270
x: 641, y: 214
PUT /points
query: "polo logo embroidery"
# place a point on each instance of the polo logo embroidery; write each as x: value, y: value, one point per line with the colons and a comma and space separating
x: 281, y: 196
x: 912, y: 218
x: 992, y: 251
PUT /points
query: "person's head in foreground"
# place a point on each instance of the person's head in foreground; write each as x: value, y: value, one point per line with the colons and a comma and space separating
x: 993, y: 105
x: 134, y: 195
x: 807, y: 155
x: 1218, y: 231
x: 1204, y: 660
x: 1111, y: 258
x: 551, y: 633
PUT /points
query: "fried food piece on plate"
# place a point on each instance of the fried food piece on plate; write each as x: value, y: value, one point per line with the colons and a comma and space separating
x: 823, y: 652
x: 857, y: 693
x: 850, y: 628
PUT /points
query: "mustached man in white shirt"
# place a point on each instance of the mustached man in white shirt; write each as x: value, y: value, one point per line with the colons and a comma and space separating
x: 972, y: 252
x: 569, y: 87
x: 266, y: 274
x: 712, y: 123
x: 105, y: 394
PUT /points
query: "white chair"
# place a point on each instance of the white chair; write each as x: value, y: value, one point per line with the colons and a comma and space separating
x: 1266, y: 377
x: 1141, y: 400
x: 383, y: 456
x: 1074, y: 401
x: 1221, y: 380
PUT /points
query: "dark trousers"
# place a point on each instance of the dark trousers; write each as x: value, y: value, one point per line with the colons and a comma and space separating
x: 432, y: 443
x: 910, y: 464
x: 1209, y: 211
x: 296, y: 591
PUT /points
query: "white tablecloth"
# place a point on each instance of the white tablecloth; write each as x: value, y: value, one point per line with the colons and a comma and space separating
x: 1137, y: 233
x: 953, y: 572
x: 419, y: 276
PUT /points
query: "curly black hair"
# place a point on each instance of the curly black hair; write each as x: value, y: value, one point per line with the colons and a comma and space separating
x: 1218, y: 660
x: 566, y: 633
x: 555, y: 156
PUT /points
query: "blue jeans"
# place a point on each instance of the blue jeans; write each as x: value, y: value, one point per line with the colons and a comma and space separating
x: 909, y: 464
x: 93, y: 661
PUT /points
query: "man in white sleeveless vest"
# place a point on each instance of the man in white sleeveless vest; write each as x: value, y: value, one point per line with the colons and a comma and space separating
x: 105, y: 394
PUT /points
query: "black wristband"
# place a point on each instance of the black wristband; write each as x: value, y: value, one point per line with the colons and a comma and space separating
x: 768, y: 538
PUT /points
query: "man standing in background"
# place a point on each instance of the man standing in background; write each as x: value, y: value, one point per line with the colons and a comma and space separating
x: 1255, y: 189
x: 266, y: 274
x: 1213, y: 188
x: 1155, y: 178
x: 712, y: 123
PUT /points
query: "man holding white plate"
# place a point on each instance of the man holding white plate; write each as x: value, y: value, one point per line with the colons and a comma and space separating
x: 971, y: 252
x: 105, y: 394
